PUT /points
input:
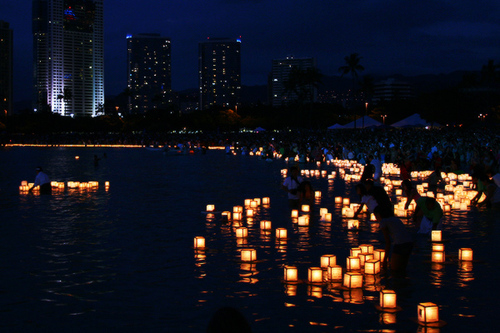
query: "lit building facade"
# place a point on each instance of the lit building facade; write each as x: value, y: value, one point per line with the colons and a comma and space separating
x: 390, y: 90
x: 219, y: 73
x: 149, y: 72
x: 68, y: 46
x: 6, y: 66
x: 280, y: 74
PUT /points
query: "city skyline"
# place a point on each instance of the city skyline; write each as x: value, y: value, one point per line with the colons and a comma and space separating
x: 392, y: 37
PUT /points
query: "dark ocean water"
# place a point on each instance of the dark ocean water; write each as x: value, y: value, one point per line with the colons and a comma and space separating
x: 122, y: 259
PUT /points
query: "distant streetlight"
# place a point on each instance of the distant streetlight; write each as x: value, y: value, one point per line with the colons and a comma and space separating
x: 383, y: 118
x: 482, y: 116
x: 366, y: 113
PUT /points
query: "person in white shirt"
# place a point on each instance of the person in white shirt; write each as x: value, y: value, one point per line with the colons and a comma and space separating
x: 43, y: 181
x: 291, y: 186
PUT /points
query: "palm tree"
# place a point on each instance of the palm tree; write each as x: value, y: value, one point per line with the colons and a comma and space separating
x: 353, y: 67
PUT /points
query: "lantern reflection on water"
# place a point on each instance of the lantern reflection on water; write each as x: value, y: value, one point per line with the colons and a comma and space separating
x: 428, y: 313
x: 438, y: 247
x: 465, y: 254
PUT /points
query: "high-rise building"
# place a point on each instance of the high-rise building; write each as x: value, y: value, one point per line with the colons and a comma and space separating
x: 390, y: 90
x: 149, y: 72
x: 6, y: 72
x: 219, y: 72
x: 280, y: 75
x: 68, y: 46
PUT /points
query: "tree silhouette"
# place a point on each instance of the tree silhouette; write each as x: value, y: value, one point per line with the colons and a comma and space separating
x: 353, y: 67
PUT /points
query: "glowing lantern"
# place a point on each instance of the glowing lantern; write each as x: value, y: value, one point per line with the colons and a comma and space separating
x: 248, y: 255
x: 353, y: 263
x: 353, y: 280
x: 366, y: 248
x: 265, y: 225
x: 317, y: 194
x: 388, y: 299
x: 436, y: 235
x: 438, y: 256
x: 446, y: 208
x: 346, y: 201
x: 199, y: 242
x: 210, y: 208
x: 465, y: 254
x: 77, y: 157
x: 315, y: 275
x: 303, y: 221
x: 399, y: 192
x: 328, y: 260
x: 352, y: 224
x: 323, y: 211
x: 372, y: 266
x: 305, y: 208
x: 226, y: 215
x: 281, y: 233
x: 355, y: 251
x: 255, y: 203
x: 338, y: 200
x: 237, y: 209
x: 266, y: 201
x: 327, y: 217
x: 290, y: 274
x: 249, y: 212
x: 363, y: 257
x: 439, y: 247
x: 24, y: 183
x: 237, y: 216
x: 247, y: 202
x: 241, y: 232
x: 295, y: 213
x: 334, y: 272
x: 428, y: 313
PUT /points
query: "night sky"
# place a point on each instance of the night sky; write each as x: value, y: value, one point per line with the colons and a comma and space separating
x: 408, y: 37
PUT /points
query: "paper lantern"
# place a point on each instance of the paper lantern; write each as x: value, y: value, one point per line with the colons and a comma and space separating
x: 438, y: 247
x: 249, y: 212
x: 210, y: 208
x: 465, y: 254
x: 317, y: 194
x: 436, y: 236
x: 338, y: 200
x: 355, y: 251
x: 266, y: 201
x: 372, y: 266
x: 353, y: 280
x: 349, y: 213
x: 323, y: 211
x: 295, y: 213
x: 303, y: 221
x: 305, y: 208
x: 438, y: 256
x: 254, y: 203
x: 290, y: 274
x: 399, y: 192
x: 241, y: 232
x: 334, y: 272
x: 199, y: 242
x: 248, y: 255
x: 327, y: 217
x: 388, y: 299
x: 237, y: 209
x: 237, y: 216
x: 346, y: 201
x: 315, y: 275
x: 77, y: 157
x: 281, y: 233
x: 363, y: 257
x: 366, y: 248
x: 353, y: 263
x: 328, y: 260
x: 226, y: 214
x: 247, y: 202
x: 428, y: 313
x: 352, y: 224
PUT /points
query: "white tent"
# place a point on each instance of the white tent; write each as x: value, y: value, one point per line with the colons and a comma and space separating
x: 336, y: 126
x: 259, y: 129
x: 412, y: 121
x: 364, y: 122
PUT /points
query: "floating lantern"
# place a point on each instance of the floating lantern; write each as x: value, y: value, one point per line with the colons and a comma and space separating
x: 353, y: 263
x: 254, y: 203
x: 334, y: 272
x: 352, y: 224
x: 248, y: 255
x: 428, y: 313
x: 436, y: 235
x: 338, y: 200
x: 303, y: 221
x: 346, y: 201
x: 465, y: 254
x: 353, y: 280
x: 77, y: 157
x: 317, y: 194
x: 366, y: 248
x: 266, y: 201
x: 372, y: 266
x: 210, y: 208
x: 199, y: 242
x: 290, y: 274
x: 241, y: 232
x: 247, y: 202
x: 24, y: 183
x: 237, y: 209
x: 439, y: 247
x: 323, y: 211
x: 281, y: 233
x: 226, y: 215
x: 363, y: 257
x: 249, y: 213
x: 237, y: 216
x: 327, y: 217
x: 305, y: 208
x: 295, y: 213
x: 265, y: 225
x: 399, y: 192
x: 328, y: 260
x: 315, y: 275
x: 355, y: 251
x: 438, y: 256
x: 388, y: 299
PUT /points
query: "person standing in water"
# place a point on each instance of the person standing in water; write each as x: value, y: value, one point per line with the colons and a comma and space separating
x: 43, y: 181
